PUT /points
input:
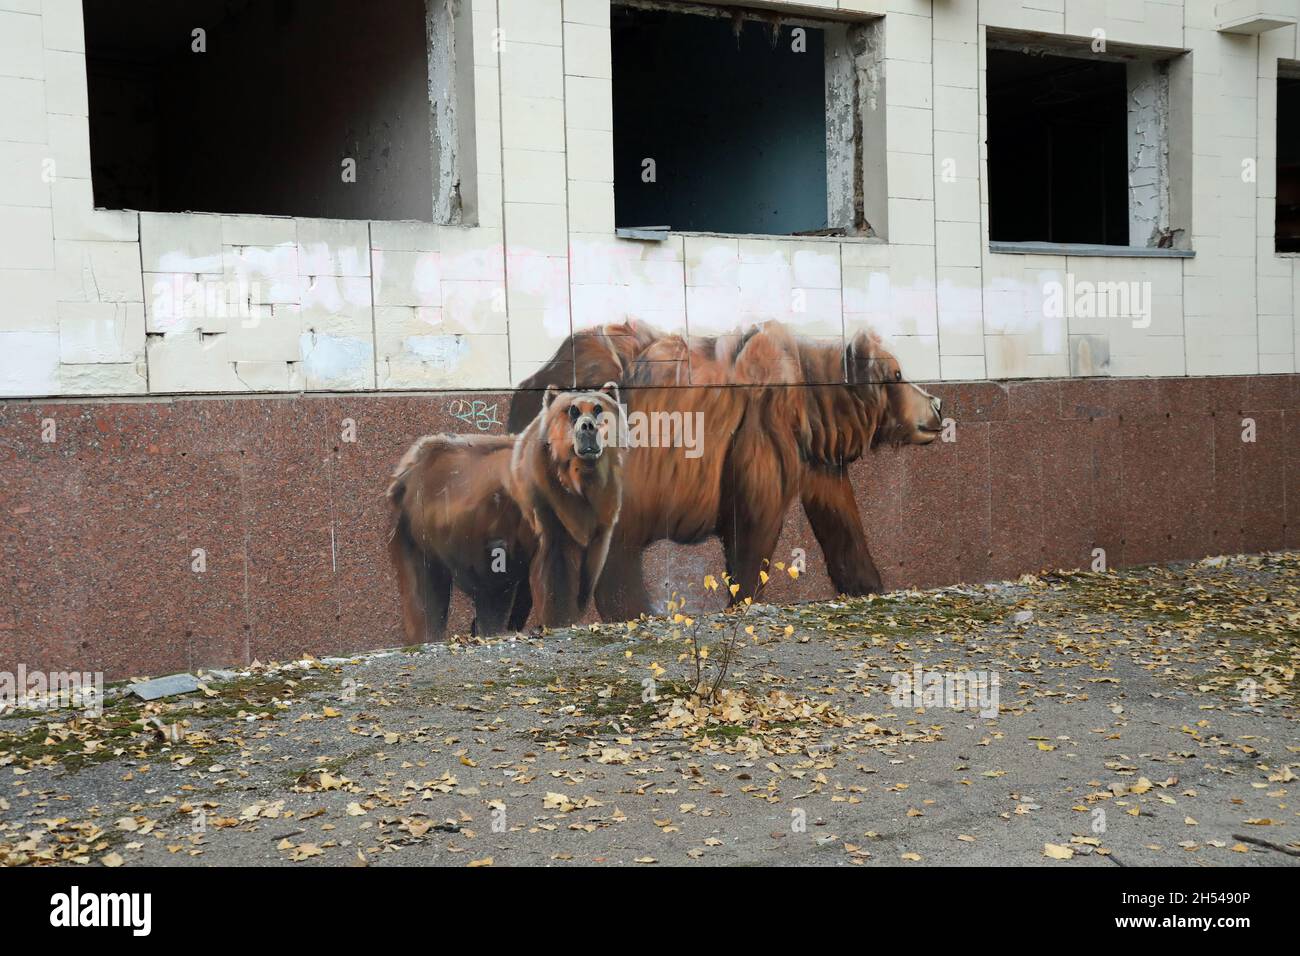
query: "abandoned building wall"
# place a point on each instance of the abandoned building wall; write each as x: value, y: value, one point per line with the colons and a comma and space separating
x: 1126, y: 434
x: 92, y: 302
x: 100, y: 527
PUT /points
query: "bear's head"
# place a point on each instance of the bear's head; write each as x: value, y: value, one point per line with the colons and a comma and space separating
x: 906, y: 413
x: 580, y: 425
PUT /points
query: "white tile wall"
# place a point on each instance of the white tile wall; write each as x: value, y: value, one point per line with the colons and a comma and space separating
x: 106, y: 302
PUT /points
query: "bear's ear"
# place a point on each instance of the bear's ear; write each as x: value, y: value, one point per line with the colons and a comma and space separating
x: 859, y: 358
x: 548, y: 396
x: 611, y: 389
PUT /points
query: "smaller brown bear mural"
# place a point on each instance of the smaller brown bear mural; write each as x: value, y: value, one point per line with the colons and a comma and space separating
x: 507, y: 518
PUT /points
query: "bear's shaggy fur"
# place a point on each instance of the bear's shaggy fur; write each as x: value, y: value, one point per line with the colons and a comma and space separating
x: 567, y: 478
x: 765, y: 444
x: 507, y: 517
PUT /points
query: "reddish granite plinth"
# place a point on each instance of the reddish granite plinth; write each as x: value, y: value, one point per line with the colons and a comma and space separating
x: 101, y: 527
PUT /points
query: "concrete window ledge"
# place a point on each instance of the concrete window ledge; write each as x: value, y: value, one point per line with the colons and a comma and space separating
x: 1082, y: 249
x: 656, y: 234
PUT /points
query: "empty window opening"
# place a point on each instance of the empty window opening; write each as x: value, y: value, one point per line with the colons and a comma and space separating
x: 1288, y: 161
x: 1078, y: 148
x: 324, y: 108
x: 1058, y: 147
x: 739, y: 121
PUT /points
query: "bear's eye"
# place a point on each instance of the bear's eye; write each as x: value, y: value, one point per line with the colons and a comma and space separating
x: 898, y: 376
x: 574, y: 413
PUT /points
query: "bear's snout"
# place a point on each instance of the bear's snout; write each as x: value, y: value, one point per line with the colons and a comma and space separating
x: 586, y: 438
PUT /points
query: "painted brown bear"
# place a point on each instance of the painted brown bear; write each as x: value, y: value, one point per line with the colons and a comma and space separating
x: 506, y: 518
x: 567, y: 479
x: 765, y: 444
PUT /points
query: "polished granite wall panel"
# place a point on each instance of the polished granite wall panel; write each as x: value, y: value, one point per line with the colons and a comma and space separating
x: 283, y: 499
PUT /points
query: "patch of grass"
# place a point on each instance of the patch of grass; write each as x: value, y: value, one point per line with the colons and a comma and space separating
x: 434, y: 692
x: 213, y: 710
x: 536, y: 679
x: 602, y: 636
x: 17, y: 715
x: 622, y: 705
x: 119, y: 726
x: 334, y: 766
x: 625, y: 699
x: 256, y: 694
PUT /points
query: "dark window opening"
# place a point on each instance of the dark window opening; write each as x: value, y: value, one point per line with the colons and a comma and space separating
x: 730, y: 112
x: 1057, y: 149
x: 265, y: 117
x: 1288, y: 164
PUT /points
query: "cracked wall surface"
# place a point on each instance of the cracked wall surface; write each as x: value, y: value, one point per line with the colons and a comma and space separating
x: 97, y: 302
x: 1148, y: 134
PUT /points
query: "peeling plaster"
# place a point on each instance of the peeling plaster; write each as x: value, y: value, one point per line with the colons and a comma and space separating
x: 1148, y: 152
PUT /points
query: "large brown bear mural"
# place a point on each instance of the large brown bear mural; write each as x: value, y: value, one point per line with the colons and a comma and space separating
x: 507, y: 518
x: 782, y: 418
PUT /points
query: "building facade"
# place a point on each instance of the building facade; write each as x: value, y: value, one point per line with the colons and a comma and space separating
x: 238, y: 276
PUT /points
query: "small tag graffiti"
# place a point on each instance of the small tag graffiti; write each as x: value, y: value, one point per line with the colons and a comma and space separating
x: 474, y: 412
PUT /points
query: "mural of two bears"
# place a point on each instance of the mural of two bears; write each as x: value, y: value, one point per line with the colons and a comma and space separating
x: 781, y: 419
x: 506, y: 518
